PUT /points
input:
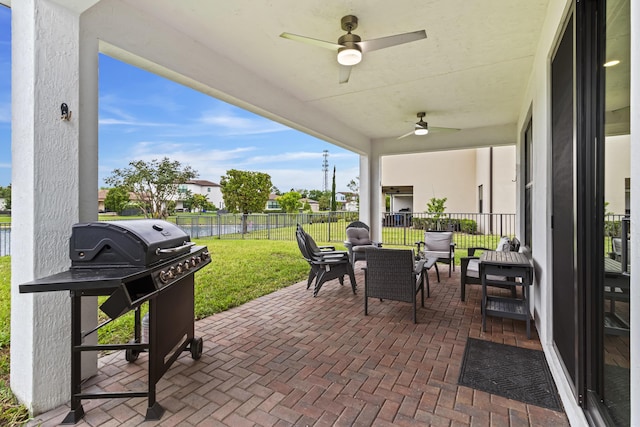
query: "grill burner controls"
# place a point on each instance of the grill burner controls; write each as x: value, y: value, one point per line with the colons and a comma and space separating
x: 131, y: 262
x: 174, y: 272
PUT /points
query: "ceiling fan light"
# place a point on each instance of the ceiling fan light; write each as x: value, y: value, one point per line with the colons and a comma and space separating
x: 349, y: 56
x: 421, y: 131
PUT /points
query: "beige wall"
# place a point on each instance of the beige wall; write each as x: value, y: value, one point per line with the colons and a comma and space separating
x: 455, y: 175
x: 437, y: 174
x: 617, y: 168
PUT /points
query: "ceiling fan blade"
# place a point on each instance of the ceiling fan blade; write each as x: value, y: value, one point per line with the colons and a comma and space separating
x: 381, y: 43
x: 345, y: 72
x: 442, y: 130
x: 406, y: 135
x: 309, y: 40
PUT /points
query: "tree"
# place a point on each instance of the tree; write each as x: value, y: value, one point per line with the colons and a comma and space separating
x: 200, y: 202
x: 116, y: 199
x: 275, y: 190
x: 324, y: 201
x: 436, y: 207
x: 354, y: 186
x: 290, y: 202
x: 316, y: 194
x: 245, y: 191
x: 334, y: 205
x: 5, y: 193
x: 154, y: 183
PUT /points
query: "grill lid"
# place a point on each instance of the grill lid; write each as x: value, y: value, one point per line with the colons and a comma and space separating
x: 130, y: 243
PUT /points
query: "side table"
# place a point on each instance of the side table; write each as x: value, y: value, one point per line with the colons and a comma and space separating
x: 511, y: 265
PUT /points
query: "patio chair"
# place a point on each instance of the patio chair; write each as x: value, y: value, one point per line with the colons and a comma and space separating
x: 393, y: 274
x: 324, y: 266
x: 470, y: 270
x: 440, y: 245
x: 358, y: 241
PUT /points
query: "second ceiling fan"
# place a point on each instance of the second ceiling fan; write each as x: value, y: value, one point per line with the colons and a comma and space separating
x: 350, y: 47
x: 422, y: 127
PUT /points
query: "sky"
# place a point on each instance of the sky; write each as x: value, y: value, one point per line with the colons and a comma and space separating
x: 143, y: 116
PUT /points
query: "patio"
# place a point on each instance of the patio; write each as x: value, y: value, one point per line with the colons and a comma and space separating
x: 290, y: 359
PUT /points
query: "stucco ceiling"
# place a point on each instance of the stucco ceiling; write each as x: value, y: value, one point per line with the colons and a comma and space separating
x: 470, y: 72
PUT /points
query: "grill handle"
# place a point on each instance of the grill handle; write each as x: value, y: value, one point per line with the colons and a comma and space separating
x: 176, y: 249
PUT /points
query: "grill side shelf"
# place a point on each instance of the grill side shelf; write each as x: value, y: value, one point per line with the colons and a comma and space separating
x: 83, y: 279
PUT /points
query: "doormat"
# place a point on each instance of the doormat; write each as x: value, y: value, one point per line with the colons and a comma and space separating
x: 515, y: 373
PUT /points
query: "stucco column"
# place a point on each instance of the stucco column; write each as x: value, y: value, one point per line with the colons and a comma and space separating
x: 371, y: 194
x: 53, y: 177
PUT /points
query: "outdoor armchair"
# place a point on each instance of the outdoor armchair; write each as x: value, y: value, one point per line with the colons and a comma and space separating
x: 358, y: 241
x: 393, y: 274
x: 440, y: 245
x: 470, y: 270
x: 324, y: 265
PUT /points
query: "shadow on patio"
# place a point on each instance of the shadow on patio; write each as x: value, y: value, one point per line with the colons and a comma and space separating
x: 290, y: 359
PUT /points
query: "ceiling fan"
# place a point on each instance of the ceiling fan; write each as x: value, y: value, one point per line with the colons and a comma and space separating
x: 350, y: 47
x: 422, y: 128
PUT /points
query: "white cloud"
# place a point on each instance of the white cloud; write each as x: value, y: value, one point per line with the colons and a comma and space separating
x: 231, y: 124
x: 132, y: 122
x: 304, y: 170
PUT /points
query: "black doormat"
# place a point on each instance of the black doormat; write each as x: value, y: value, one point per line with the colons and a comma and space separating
x: 515, y: 373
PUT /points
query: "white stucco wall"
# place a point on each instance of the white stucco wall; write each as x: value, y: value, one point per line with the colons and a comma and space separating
x: 54, y: 182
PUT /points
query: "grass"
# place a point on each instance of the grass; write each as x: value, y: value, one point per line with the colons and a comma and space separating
x: 11, y: 412
x: 5, y: 218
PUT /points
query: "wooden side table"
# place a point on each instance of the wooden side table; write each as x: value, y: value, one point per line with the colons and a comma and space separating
x: 511, y: 266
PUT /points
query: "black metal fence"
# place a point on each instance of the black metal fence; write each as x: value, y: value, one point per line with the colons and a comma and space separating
x: 398, y: 229
x: 402, y: 229
x: 470, y: 229
x: 325, y: 227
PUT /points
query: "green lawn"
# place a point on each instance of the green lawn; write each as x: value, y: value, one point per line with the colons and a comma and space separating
x: 5, y: 218
x: 11, y: 413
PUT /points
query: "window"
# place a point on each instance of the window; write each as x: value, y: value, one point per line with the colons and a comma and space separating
x: 208, y: 189
x: 480, y: 191
x: 528, y: 182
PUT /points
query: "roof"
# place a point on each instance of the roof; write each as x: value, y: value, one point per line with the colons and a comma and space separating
x: 203, y: 183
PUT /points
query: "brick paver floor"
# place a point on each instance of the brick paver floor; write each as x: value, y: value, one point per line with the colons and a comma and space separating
x: 291, y: 359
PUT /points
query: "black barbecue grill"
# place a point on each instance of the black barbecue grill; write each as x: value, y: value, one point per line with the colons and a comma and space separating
x: 131, y: 262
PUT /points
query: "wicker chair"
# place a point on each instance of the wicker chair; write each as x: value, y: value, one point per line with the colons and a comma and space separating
x: 438, y: 244
x: 470, y: 271
x: 393, y: 274
x: 358, y: 241
x: 324, y: 266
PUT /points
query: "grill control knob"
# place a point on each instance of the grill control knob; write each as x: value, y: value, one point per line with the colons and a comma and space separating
x: 179, y: 269
x: 198, y: 260
x: 172, y: 273
x: 194, y: 262
x: 205, y: 255
x: 187, y: 265
x: 163, y: 276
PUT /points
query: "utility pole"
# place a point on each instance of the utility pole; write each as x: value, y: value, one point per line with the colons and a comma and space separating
x: 325, y: 170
